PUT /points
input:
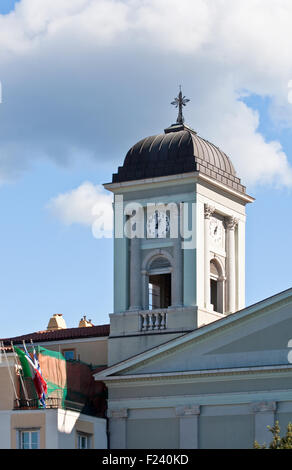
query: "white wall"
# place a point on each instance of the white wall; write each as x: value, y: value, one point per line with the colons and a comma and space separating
x: 5, y: 430
x: 67, y: 422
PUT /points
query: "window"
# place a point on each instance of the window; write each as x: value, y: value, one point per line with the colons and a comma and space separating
x: 216, y: 286
x: 68, y: 354
x: 159, y: 283
x: 83, y: 441
x: 29, y: 439
x: 159, y: 291
x: 214, y: 294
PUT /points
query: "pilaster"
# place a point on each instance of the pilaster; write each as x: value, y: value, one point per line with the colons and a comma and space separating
x: 264, y: 415
x: 231, y: 224
x: 209, y: 210
x: 135, y: 274
x: 188, y: 426
x: 118, y: 428
x: 177, y: 299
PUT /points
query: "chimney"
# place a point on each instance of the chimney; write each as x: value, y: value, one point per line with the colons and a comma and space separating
x: 85, y: 323
x: 56, y: 322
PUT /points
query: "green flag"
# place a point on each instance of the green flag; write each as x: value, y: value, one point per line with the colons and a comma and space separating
x: 24, y: 363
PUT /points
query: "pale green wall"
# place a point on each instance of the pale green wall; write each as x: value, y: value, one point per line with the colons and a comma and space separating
x: 269, y: 338
x: 121, y: 275
x: 166, y: 194
x: 153, y: 433
x: 226, y: 432
x: 123, y: 347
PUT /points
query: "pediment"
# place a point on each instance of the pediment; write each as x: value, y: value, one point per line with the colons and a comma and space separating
x: 256, y: 336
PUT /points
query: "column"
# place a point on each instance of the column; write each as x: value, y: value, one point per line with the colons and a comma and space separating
x: 144, y: 289
x: 188, y: 230
x: 135, y: 274
x: 230, y: 225
x: 241, y: 264
x: 118, y: 428
x: 121, y: 260
x: 207, y: 213
x: 177, y: 275
x: 188, y: 426
x: 264, y: 415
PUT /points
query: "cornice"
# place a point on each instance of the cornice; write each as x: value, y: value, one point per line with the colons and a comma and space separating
x: 205, y: 375
x: 181, y: 178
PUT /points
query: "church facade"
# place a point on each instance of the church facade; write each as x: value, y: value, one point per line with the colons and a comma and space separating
x: 189, y: 366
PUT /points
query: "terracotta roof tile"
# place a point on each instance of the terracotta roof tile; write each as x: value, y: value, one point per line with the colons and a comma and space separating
x: 59, y: 335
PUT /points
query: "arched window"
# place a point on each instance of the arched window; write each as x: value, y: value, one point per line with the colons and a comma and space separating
x: 216, y: 286
x: 159, y: 286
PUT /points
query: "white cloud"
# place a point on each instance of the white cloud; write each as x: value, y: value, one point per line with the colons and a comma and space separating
x: 88, y: 205
x: 256, y: 160
x: 94, y: 76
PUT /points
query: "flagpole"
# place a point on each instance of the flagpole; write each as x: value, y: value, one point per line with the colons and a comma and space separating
x: 59, y: 394
x: 24, y: 346
x: 21, y: 379
x: 9, y: 370
x: 33, y: 349
x: 42, y: 400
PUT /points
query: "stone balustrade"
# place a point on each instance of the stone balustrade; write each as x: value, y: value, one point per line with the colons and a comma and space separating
x: 153, y: 320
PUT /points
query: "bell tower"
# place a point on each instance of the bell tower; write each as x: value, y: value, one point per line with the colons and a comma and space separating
x: 179, y: 239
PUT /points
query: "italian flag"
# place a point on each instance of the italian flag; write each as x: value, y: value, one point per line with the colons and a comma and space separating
x: 29, y: 370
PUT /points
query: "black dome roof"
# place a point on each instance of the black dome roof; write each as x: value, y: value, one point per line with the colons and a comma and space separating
x: 178, y: 150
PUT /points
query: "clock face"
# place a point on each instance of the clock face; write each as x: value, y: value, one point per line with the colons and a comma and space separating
x: 157, y: 225
x: 216, y: 230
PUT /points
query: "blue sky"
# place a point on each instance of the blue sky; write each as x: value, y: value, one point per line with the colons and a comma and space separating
x: 269, y: 226
x: 77, y: 96
x: 7, y: 6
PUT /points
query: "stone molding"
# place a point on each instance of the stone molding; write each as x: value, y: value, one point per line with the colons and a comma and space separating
x: 155, y: 252
x: 264, y: 407
x: 208, y: 211
x: 231, y: 223
x: 118, y: 414
x: 185, y: 411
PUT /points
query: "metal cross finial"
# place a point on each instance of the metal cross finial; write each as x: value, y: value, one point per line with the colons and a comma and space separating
x: 179, y: 102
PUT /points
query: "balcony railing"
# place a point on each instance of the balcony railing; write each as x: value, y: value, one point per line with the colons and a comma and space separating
x: 34, y: 403
x: 153, y: 321
x: 55, y: 402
